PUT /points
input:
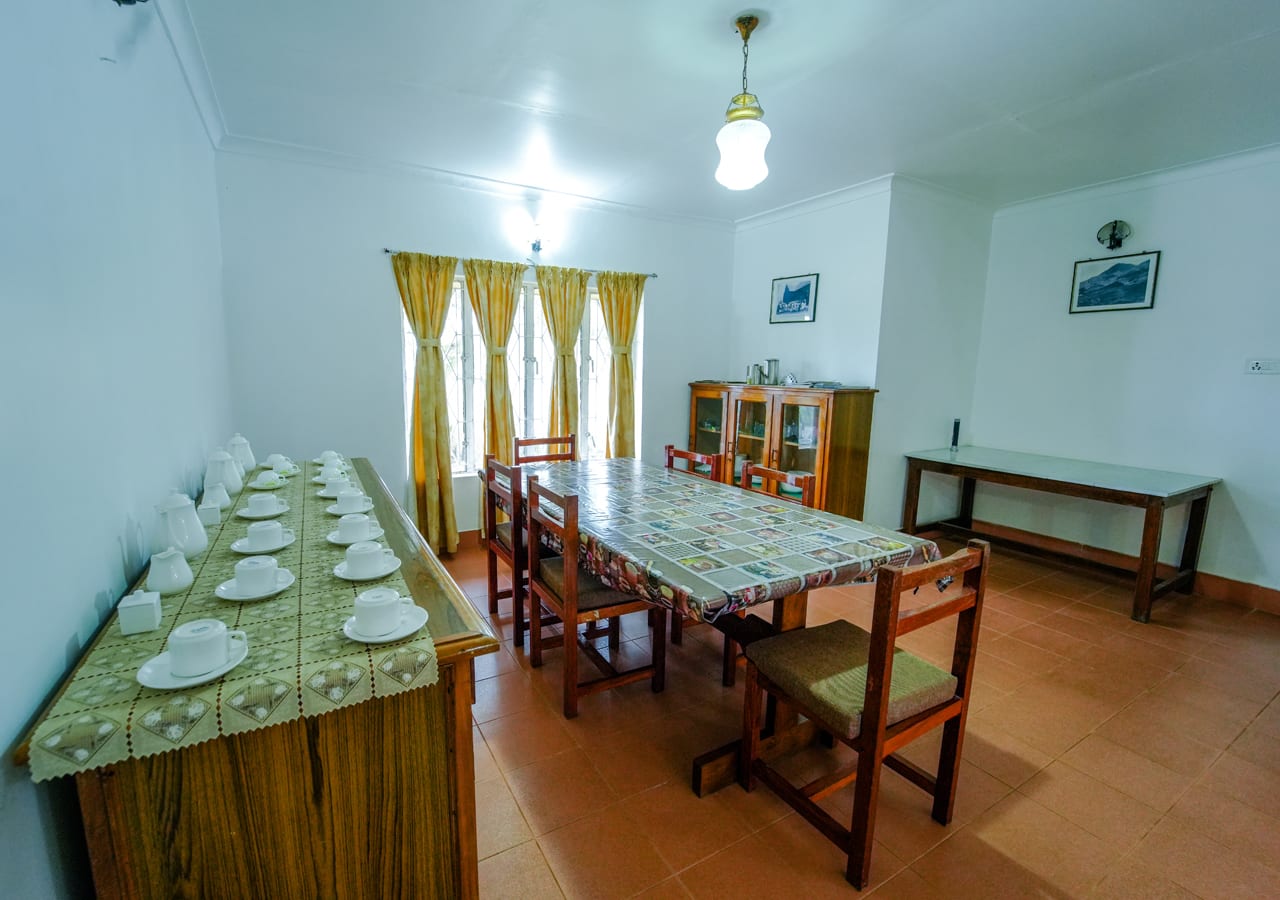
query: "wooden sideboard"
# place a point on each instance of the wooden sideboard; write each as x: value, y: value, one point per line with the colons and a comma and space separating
x: 826, y: 431
x: 375, y: 799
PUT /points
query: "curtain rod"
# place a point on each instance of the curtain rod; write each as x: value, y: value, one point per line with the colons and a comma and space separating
x: 531, y: 264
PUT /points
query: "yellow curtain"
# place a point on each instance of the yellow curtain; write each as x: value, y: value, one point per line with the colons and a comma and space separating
x: 620, y: 302
x: 426, y: 286
x: 564, y: 298
x: 494, y: 289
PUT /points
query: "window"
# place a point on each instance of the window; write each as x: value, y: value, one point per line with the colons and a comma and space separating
x: 530, y: 357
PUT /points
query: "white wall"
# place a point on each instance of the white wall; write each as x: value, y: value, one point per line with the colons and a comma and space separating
x: 935, y: 275
x: 315, y: 315
x: 842, y: 238
x: 1163, y: 388
x: 113, y: 365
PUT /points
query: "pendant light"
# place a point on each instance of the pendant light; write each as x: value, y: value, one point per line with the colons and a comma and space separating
x: 744, y: 136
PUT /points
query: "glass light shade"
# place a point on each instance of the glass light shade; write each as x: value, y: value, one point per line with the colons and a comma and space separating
x: 742, y: 144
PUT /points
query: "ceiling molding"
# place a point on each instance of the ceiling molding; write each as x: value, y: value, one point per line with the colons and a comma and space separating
x: 809, y: 205
x: 176, y: 19
x: 243, y: 146
x: 1220, y: 165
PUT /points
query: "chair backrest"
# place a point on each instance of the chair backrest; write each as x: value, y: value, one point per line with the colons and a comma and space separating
x: 556, y: 514
x: 806, y: 484
x: 889, y: 621
x: 502, y: 490
x: 566, y: 449
x: 713, y: 461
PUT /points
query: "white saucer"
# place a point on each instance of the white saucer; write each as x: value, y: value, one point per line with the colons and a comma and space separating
x: 242, y: 545
x: 332, y: 537
x: 269, y: 487
x: 292, y: 470
x: 365, y: 506
x: 227, y: 590
x: 244, y: 513
x: 342, y: 460
x: 341, y: 571
x: 328, y: 494
x: 414, y: 618
x: 155, y: 671
x: 319, y: 479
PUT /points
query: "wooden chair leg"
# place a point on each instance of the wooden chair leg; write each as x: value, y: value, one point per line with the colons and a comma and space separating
x: 570, y: 665
x: 535, y: 629
x: 677, y: 627
x: 493, y: 581
x: 517, y: 610
x: 866, y: 789
x: 659, y: 654
x: 944, y: 791
x: 750, y: 730
x: 729, y: 675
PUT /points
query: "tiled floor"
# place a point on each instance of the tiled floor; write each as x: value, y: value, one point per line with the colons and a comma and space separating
x: 1103, y: 758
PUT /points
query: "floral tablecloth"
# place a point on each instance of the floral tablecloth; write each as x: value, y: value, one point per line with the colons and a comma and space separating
x: 707, y: 548
x: 299, y: 661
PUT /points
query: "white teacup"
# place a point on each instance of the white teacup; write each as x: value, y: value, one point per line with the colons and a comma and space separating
x: 355, y: 527
x: 328, y: 473
x: 351, y: 500
x: 269, y: 478
x: 263, y: 505
x: 256, y: 575
x: 335, y: 483
x: 380, y: 611
x: 201, y: 646
x: 365, y: 559
x: 330, y: 456
x: 265, y: 535
x: 277, y: 460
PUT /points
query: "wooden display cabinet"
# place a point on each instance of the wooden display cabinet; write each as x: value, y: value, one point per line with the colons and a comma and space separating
x: 826, y: 431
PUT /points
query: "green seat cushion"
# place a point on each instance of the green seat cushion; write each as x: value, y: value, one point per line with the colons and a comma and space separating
x: 825, y: 670
x: 592, y: 592
x: 503, y: 534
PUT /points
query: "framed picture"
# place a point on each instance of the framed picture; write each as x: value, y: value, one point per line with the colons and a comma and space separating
x: 793, y: 299
x: 1117, y: 282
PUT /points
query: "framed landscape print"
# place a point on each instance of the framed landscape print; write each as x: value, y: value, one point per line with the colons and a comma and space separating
x: 1117, y: 282
x: 793, y: 299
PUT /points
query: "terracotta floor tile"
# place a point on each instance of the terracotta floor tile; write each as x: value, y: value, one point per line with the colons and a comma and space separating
x: 1137, y: 728
x: 1249, y: 831
x: 1259, y: 747
x: 603, y: 855
x: 1222, y: 706
x: 521, y: 871
x: 1128, y: 772
x: 1041, y: 635
x: 966, y: 865
x: 1035, y: 594
x: 1002, y: 755
x: 1205, y: 866
x: 685, y: 828
x: 499, y: 823
x: 485, y: 765
x: 502, y: 695
x: 671, y: 889
x: 1242, y: 780
x: 1130, y: 880
x: 818, y: 863
x: 492, y: 664
x: 559, y: 789
x: 1269, y: 719
x: 1012, y: 606
x: 907, y: 885
x: 1244, y: 681
x: 1142, y: 651
x: 1074, y: 583
x: 1102, y: 811
x: 1024, y: 655
x: 1045, y: 715
x: 1003, y: 676
x: 526, y: 737
x: 1097, y: 615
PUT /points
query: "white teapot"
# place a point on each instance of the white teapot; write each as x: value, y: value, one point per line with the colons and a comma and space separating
x: 169, y: 572
x: 241, y: 452
x: 222, y: 468
x: 180, y: 525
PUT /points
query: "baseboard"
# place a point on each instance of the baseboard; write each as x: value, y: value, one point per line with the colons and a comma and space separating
x: 1215, y: 587
x: 469, y: 540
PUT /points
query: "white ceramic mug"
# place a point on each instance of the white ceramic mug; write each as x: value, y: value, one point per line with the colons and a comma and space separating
x: 264, y: 505
x: 330, y: 456
x: 354, y: 527
x: 264, y: 535
x: 335, y: 483
x: 269, y: 478
x: 351, y: 500
x: 201, y: 646
x: 380, y: 611
x: 276, y: 459
x: 366, y: 559
x: 328, y: 473
x: 256, y: 575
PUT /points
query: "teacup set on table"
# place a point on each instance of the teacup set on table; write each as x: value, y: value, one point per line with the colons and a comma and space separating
x: 263, y: 506
x: 367, y: 561
x: 257, y: 578
x: 350, y: 500
x: 353, y: 528
x: 382, y: 615
x: 197, y: 652
x: 266, y: 536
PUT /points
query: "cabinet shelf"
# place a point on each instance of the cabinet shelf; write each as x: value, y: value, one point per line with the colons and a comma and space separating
x: 750, y: 437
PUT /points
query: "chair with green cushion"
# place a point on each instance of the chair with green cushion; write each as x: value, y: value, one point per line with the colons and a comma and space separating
x: 863, y: 690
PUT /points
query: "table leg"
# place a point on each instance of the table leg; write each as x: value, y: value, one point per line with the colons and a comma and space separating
x: 1191, y: 543
x: 1147, y: 559
x: 789, y: 613
x: 911, y: 500
x: 967, y: 486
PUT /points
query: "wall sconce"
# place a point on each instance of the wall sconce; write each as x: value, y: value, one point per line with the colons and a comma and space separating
x: 1113, y: 234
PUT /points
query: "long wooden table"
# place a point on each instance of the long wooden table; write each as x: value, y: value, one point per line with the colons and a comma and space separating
x: 1148, y: 489
x: 373, y: 799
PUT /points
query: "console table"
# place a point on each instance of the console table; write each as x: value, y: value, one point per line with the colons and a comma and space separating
x: 1148, y: 489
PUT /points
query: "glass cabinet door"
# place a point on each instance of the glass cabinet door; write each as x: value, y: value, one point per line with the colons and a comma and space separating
x: 751, y: 419
x: 707, y: 433
x: 802, y: 426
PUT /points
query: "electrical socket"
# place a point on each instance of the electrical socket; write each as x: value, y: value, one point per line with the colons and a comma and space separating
x: 1262, y: 366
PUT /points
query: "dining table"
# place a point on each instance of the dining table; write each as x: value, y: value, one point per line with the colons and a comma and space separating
x: 712, y: 550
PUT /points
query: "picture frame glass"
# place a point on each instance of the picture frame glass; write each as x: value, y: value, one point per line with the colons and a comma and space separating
x: 793, y: 299
x: 1115, y: 282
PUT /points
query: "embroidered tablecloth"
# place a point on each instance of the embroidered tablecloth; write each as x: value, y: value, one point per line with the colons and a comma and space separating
x: 708, y: 548
x: 299, y: 661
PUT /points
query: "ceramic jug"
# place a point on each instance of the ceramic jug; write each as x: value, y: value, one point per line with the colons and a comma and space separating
x: 222, y: 468
x: 217, y: 493
x: 180, y: 525
x: 241, y: 452
x: 169, y: 572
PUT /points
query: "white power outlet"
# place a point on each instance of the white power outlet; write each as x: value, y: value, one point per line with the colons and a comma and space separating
x: 1262, y: 366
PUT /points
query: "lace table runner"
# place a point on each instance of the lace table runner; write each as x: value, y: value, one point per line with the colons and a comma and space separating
x: 299, y: 661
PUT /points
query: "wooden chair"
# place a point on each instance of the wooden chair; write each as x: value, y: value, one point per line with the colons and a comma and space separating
x: 504, y: 541
x: 567, y: 452
x: 806, y: 485
x: 713, y: 462
x: 578, y: 598
x: 871, y: 696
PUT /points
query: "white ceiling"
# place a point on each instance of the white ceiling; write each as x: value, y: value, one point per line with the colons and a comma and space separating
x: 1000, y: 100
